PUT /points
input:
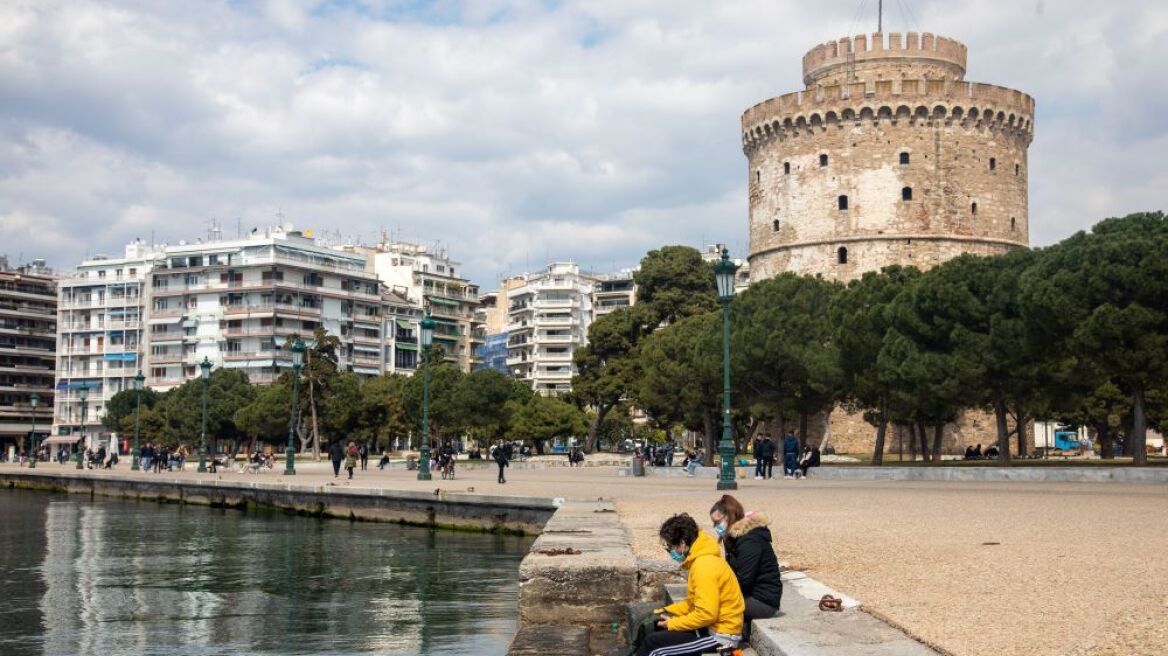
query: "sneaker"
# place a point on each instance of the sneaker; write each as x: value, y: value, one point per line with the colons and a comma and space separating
x: 758, y: 478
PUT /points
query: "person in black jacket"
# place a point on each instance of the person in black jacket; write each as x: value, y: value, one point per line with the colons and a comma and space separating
x: 747, y: 542
x: 502, y: 460
x: 336, y: 455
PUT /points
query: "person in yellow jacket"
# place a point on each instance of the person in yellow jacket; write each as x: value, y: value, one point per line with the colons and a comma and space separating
x: 710, y: 616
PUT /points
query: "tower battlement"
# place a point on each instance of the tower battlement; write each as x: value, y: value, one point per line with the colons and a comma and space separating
x: 860, y: 52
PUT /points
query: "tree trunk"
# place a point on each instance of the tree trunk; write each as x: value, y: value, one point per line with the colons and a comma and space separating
x: 709, y: 443
x: 1139, y: 432
x: 1103, y: 432
x: 594, y: 429
x: 782, y: 419
x: 938, y: 435
x: 1023, y: 419
x: 881, y: 430
x: 315, y: 425
x: 923, y: 436
x: 899, y: 430
x: 802, y: 431
x: 912, y: 442
x: 1003, y: 429
x: 826, y: 441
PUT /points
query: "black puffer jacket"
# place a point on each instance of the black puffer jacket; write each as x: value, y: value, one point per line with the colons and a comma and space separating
x: 749, y: 553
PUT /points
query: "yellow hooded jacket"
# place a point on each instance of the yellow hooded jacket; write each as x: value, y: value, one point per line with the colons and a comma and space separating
x: 713, y: 599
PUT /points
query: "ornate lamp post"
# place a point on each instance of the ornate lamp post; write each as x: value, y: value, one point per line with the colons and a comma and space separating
x: 297, y: 362
x: 138, y: 381
x: 205, y: 374
x: 82, y: 395
x: 724, y: 273
x: 34, y: 400
x: 427, y: 327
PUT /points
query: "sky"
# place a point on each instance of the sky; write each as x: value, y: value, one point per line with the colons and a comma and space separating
x: 514, y: 132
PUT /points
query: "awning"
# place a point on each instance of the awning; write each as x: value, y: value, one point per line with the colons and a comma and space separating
x: 154, y: 321
x: 366, y: 370
x: 406, y: 346
x: 449, y: 338
x: 121, y: 357
x: 60, y: 439
x: 246, y: 364
x: 402, y: 323
x: 443, y: 300
x: 166, y: 342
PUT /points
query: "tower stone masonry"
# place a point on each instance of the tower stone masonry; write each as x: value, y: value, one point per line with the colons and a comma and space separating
x: 888, y: 156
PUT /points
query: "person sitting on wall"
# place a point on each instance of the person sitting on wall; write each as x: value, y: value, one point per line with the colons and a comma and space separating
x: 747, y: 541
x: 992, y: 452
x: 810, y: 459
x: 384, y: 460
x: 710, y: 616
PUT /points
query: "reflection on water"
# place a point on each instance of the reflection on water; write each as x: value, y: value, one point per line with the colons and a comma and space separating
x: 124, y: 577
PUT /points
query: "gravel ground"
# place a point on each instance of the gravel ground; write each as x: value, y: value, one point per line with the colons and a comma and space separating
x: 1078, y: 569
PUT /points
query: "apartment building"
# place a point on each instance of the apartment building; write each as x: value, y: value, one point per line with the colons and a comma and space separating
x: 613, y: 291
x: 713, y: 253
x: 549, y: 318
x: 401, y: 317
x: 428, y: 276
x: 28, y: 336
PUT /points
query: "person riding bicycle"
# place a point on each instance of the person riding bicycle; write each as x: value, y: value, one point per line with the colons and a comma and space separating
x: 446, y: 460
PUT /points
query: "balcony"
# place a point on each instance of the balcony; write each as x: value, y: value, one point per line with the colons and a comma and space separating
x: 553, y: 339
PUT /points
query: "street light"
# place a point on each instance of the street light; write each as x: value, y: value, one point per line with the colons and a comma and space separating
x: 297, y: 362
x: 138, y: 381
x: 34, y: 400
x: 724, y: 274
x: 205, y: 374
x: 427, y: 326
x: 82, y: 394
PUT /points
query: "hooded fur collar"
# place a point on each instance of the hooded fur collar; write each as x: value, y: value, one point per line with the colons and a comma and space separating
x: 748, y: 524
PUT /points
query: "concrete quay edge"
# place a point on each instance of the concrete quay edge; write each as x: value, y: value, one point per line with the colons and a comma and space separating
x: 526, y: 515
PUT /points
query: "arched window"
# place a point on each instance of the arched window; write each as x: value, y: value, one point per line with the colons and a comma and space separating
x: 1013, y: 224
x: 841, y: 255
x: 843, y: 202
x: 993, y: 163
x: 757, y: 177
x: 973, y: 209
x: 823, y: 160
x: 904, y: 159
x: 906, y: 193
x: 786, y: 168
x: 1017, y: 168
x: 775, y: 225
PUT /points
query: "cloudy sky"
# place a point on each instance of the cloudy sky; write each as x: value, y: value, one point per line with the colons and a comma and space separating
x: 514, y: 131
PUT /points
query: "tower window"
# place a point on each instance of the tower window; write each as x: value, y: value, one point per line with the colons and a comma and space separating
x: 843, y: 202
x: 906, y: 193
x: 757, y: 177
x: 775, y: 225
x: 993, y: 163
x: 904, y: 159
x: 786, y: 168
x: 823, y: 160
x: 973, y: 209
x: 1013, y: 224
x: 841, y: 255
x: 1017, y: 168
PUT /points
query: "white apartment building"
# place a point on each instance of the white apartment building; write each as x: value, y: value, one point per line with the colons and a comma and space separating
x: 235, y: 302
x: 426, y: 275
x: 549, y: 315
x: 613, y: 291
x: 713, y: 253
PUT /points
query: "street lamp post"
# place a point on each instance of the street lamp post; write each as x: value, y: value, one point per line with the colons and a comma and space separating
x: 138, y: 381
x: 724, y: 274
x: 427, y: 327
x: 297, y: 362
x: 34, y: 400
x: 205, y: 374
x: 82, y: 395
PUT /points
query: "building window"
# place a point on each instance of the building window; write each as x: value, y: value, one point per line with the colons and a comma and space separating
x: 1017, y: 168
x: 906, y: 193
x: 1013, y: 224
x: 904, y: 159
x: 786, y: 168
x: 757, y: 177
x: 973, y: 209
x: 775, y: 225
x: 843, y: 202
x: 823, y: 160
x: 993, y: 163
x: 841, y: 255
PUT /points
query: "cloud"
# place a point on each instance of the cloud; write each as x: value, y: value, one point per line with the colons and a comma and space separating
x: 513, y: 131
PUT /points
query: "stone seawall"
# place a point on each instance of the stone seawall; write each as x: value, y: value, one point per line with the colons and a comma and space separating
x: 1044, y: 474
x: 526, y: 515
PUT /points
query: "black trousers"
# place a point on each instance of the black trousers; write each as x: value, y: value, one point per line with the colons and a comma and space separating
x: 768, y: 468
x: 502, y: 478
x: 755, y: 610
x: 677, y: 643
x: 336, y: 468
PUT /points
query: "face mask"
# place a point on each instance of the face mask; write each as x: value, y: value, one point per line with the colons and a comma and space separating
x: 720, y: 529
x: 676, y: 556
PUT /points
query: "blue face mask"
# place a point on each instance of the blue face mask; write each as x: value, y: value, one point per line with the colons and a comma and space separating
x: 676, y: 556
x: 720, y: 529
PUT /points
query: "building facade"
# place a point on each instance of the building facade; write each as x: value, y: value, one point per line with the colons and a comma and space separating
x: 427, y: 276
x: 549, y: 317
x: 28, y: 338
x: 612, y: 291
x: 888, y: 156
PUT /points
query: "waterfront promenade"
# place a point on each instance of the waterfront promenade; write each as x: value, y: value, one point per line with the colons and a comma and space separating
x: 972, y: 568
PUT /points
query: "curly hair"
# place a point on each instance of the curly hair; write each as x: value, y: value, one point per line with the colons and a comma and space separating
x: 679, y: 529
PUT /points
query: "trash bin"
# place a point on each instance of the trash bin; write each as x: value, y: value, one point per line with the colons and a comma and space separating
x: 638, y: 466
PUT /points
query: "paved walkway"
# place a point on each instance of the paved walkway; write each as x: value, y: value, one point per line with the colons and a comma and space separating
x: 1040, y: 569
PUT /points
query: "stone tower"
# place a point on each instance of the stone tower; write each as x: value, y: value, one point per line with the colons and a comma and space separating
x: 887, y: 157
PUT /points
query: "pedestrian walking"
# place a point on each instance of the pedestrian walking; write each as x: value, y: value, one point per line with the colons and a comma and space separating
x: 351, y: 455
x: 336, y: 455
x: 756, y: 451
x: 363, y: 452
x: 768, y: 457
x: 503, y: 461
